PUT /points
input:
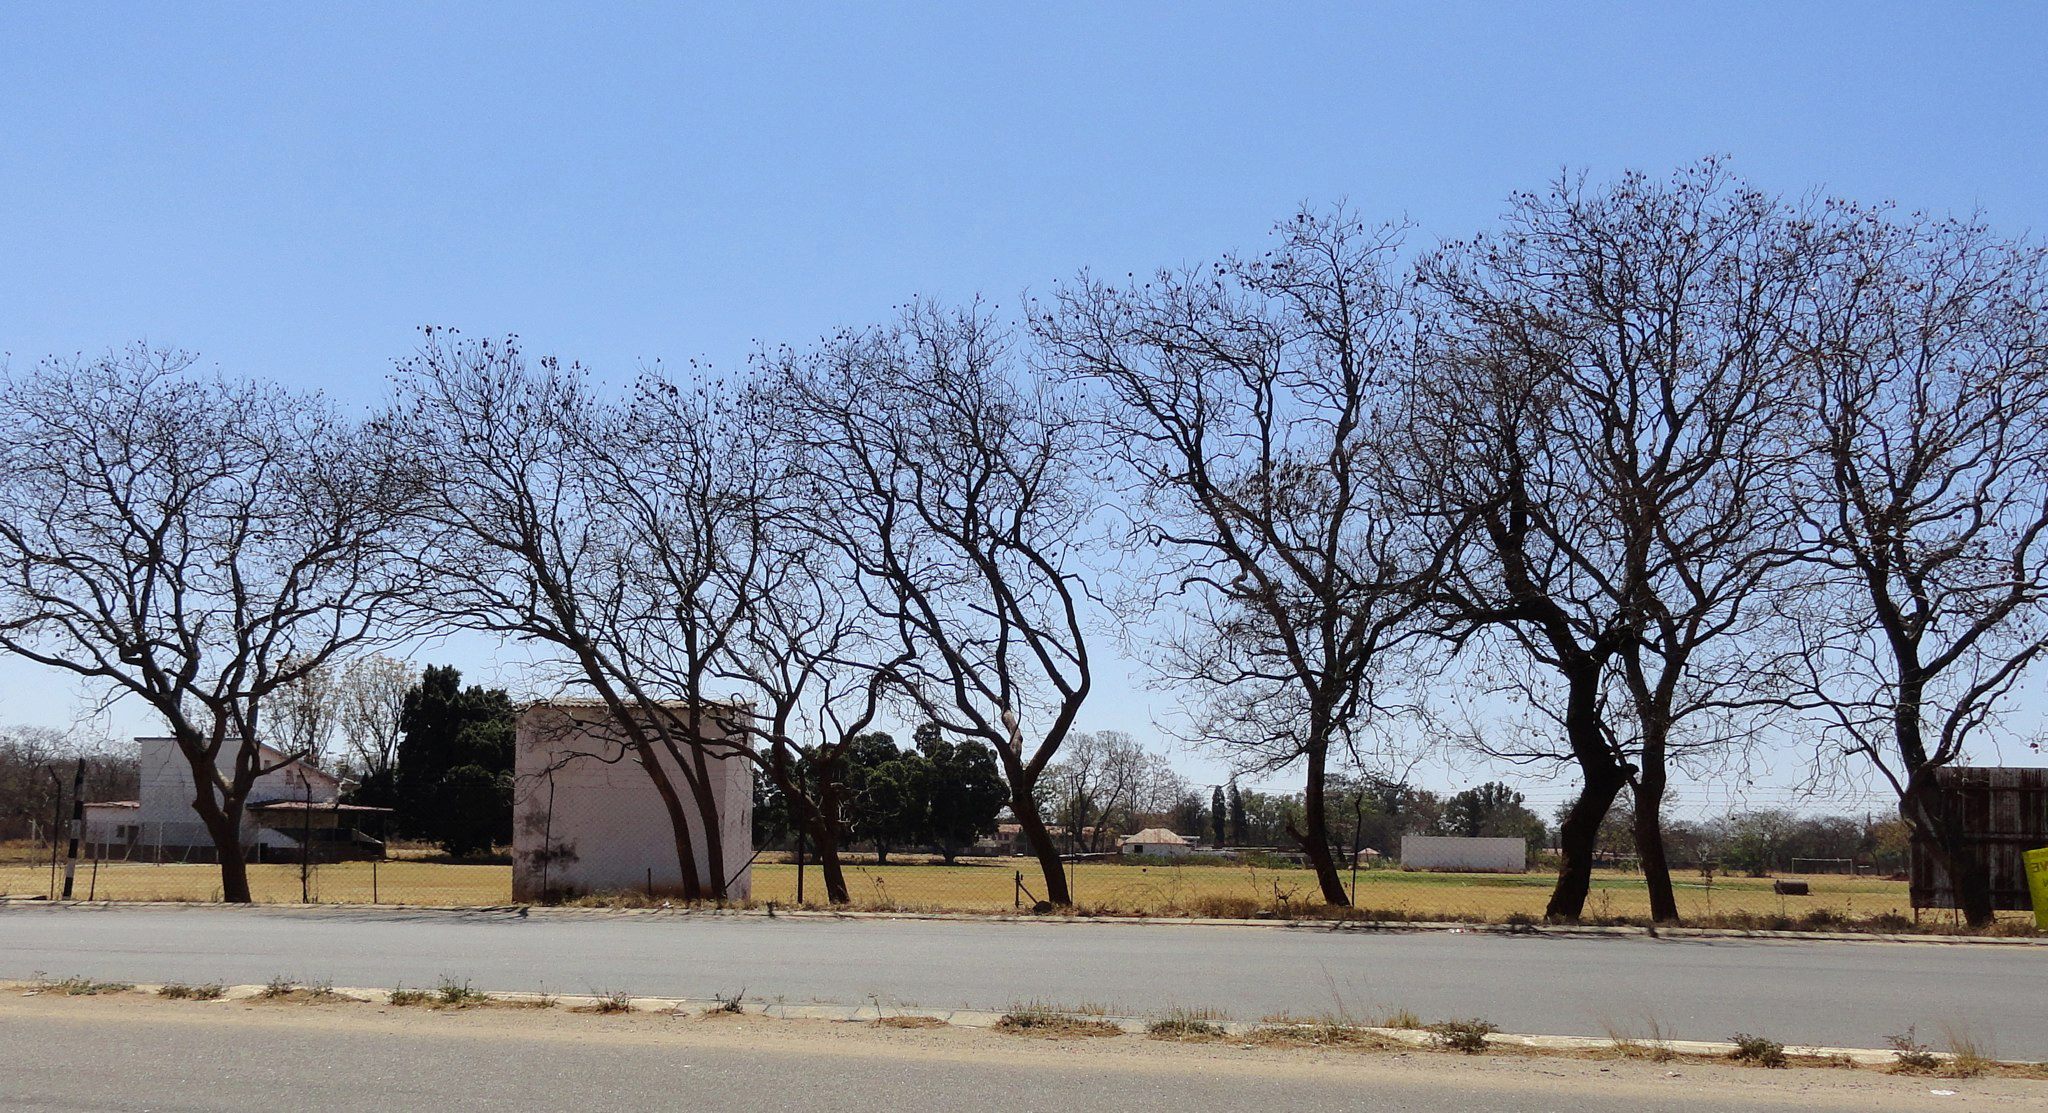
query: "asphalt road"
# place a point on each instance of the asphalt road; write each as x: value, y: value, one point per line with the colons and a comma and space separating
x: 140, y: 1054
x: 1828, y: 993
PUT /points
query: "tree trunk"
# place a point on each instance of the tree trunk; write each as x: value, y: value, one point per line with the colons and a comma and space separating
x: 1579, y: 836
x: 1042, y: 848
x: 678, y: 820
x: 224, y: 826
x: 1650, y: 847
x: 1315, y: 841
x: 1941, y: 831
x: 824, y: 824
x: 699, y: 777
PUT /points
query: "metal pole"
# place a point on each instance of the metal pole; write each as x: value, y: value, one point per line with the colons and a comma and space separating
x: 77, y: 828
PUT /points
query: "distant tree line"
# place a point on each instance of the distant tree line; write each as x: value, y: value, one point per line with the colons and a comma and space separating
x: 1662, y: 471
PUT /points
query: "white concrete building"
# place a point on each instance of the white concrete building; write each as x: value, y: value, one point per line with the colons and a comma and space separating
x: 1156, y: 842
x: 587, y: 817
x: 160, y: 825
x: 1444, y: 852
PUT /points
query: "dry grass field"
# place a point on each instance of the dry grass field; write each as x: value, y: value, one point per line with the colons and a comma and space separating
x: 990, y: 886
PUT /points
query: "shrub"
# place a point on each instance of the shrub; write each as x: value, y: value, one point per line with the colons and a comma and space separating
x: 1912, y: 1056
x: 726, y: 1004
x: 453, y: 994
x: 1468, y: 1036
x: 179, y: 991
x: 1757, y: 1051
x: 406, y: 998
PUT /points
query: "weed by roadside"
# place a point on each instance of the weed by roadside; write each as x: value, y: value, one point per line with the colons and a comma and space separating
x: 1325, y: 1031
x: 727, y: 1006
x: 909, y: 1022
x: 1654, y: 1044
x: 1757, y: 1050
x: 1468, y: 1036
x: 76, y: 986
x: 1911, y: 1056
x: 311, y: 993
x: 608, y: 1002
x: 179, y: 991
x: 1188, y: 1025
x: 1036, y: 1018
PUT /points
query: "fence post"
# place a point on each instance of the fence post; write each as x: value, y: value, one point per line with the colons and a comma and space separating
x: 1017, y: 894
x: 56, y: 821
x: 77, y: 828
x: 306, y: 845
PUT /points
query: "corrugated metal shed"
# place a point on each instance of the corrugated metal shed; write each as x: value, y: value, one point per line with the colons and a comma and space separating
x: 2005, y: 814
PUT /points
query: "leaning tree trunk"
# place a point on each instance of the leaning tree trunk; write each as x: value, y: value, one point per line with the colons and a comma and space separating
x: 678, y: 819
x: 1040, y: 841
x: 1578, y: 837
x: 1315, y: 841
x: 824, y: 824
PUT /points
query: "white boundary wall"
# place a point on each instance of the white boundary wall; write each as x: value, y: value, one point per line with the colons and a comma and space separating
x: 1442, y: 852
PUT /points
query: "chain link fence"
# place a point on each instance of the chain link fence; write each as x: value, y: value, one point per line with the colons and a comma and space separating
x: 1211, y: 886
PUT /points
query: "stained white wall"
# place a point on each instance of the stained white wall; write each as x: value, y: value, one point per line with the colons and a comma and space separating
x: 166, y: 793
x: 1441, y: 852
x: 601, y: 820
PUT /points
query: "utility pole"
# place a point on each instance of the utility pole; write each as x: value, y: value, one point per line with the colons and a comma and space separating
x: 77, y: 827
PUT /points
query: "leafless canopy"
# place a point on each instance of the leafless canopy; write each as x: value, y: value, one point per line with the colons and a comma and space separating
x: 194, y: 542
x: 955, y: 489
x: 1925, y: 494
x: 1246, y: 401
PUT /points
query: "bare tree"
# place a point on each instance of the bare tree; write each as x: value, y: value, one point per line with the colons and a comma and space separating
x: 1926, y: 499
x: 1103, y: 782
x: 305, y: 713
x: 196, y: 543
x: 519, y: 540
x: 956, y: 491
x: 1246, y: 401
x: 743, y: 593
x: 1610, y: 441
x: 371, y: 716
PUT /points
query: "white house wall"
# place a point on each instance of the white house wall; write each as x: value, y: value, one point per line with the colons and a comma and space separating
x: 601, y: 819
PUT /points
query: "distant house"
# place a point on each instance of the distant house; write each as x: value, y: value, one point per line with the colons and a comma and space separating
x: 294, y: 805
x: 1156, y: 842
x: 587, y: 817
x: 1009, y: 840
x: 1456, y: 853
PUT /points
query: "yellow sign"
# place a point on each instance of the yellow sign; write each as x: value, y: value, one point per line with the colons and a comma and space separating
x: 2037, y: 881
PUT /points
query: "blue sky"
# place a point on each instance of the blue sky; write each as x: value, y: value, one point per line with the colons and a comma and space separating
x: 293, y: 189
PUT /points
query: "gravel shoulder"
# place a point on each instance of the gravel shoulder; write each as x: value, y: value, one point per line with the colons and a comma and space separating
x: 129, y: 1050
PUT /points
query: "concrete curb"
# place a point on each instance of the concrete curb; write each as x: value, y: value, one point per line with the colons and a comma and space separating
x: 974, y: 1018
x: 1567, y: 931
